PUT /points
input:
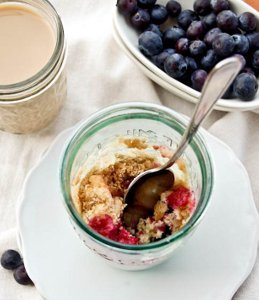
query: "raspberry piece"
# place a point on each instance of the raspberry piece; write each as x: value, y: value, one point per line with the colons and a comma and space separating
x: 126, y: 237
x: 180, y: 197
x: 105, y: 226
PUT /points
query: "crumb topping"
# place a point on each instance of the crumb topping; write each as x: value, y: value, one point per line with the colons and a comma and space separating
x: 135, y: 143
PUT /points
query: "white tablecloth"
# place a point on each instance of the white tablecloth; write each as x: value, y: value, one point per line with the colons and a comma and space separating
x: 99, y: 74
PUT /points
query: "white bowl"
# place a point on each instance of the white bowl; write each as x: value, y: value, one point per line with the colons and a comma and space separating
x: 129, y: 38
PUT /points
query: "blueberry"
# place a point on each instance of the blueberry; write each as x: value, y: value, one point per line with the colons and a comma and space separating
x: 182, y: 46
x: 196, y: 30
x: 223, y: 45
x: 146, y: 3
x: 202, y: 7
x: 171, y: 35
x: 242, y: 59
x: 247, y: 21
x: 155, y: 28
x: 248, y: 70
x: 255, y: 60
x: 175, y: 65
x: 227, y: 21
x: 191, y: 64
x: 140, y: 20
x: 198, y: 78
x: 150, y: 43
x: 186, y: 17
x: 21, y: 276
x: 11, y: 259
x: 253, y: 39
x: 174, y: 8
x: 219, y: 5
x: 241, y: 43
x: 245, y: 86
x: 197, y: 48
x: 127, y: 7
x: 209, y: 20
x: 160, y: 58
x: 229, y: 93
x: 211, y: 35
x: 209, y: 60
x: 158, y: 14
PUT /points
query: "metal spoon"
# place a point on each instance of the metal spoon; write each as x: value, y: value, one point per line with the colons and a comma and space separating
x: 145, y: 190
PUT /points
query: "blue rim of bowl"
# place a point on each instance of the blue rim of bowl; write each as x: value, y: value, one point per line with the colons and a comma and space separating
x: 166, y: 116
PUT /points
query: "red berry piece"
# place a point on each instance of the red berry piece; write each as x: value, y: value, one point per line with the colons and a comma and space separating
x: 105, y: 226
x: 125, y: 237
x: 180, y: 197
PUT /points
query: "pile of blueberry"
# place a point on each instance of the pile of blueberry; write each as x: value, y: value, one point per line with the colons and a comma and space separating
x: 201, y: 38
x: 11, y: 260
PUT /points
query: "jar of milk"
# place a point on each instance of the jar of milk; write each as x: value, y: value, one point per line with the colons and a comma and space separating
x: 32, y: 61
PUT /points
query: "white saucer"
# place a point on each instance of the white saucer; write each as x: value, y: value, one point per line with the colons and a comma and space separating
x: 129, y: 38
x: 212, y: 264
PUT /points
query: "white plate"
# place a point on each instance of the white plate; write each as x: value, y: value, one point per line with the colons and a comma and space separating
x: 129, y: 38
x: 212, y: 265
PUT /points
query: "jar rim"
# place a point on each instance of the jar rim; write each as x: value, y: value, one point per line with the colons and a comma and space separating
x: 198, y: 145
x: 14, y: 90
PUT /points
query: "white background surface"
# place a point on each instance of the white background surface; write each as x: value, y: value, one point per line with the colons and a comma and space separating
x: 99, y: 74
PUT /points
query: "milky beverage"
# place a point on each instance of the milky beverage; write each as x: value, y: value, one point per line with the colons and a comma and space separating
x: 27, y: 42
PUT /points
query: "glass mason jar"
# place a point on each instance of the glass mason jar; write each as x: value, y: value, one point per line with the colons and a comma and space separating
x: 156, y: 124
x: 31, y: 104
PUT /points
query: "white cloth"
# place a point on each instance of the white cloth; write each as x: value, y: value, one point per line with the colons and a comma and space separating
x: 99, y: 74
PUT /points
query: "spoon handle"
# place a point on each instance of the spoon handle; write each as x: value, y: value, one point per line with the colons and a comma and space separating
x: 217, y: 82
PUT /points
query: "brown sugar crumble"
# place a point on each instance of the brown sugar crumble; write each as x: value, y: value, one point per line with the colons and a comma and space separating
x: 135, y: 143
x: 116, y: 178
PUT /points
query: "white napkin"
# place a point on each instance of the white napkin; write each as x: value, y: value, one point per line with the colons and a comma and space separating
x: 99, y: 74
